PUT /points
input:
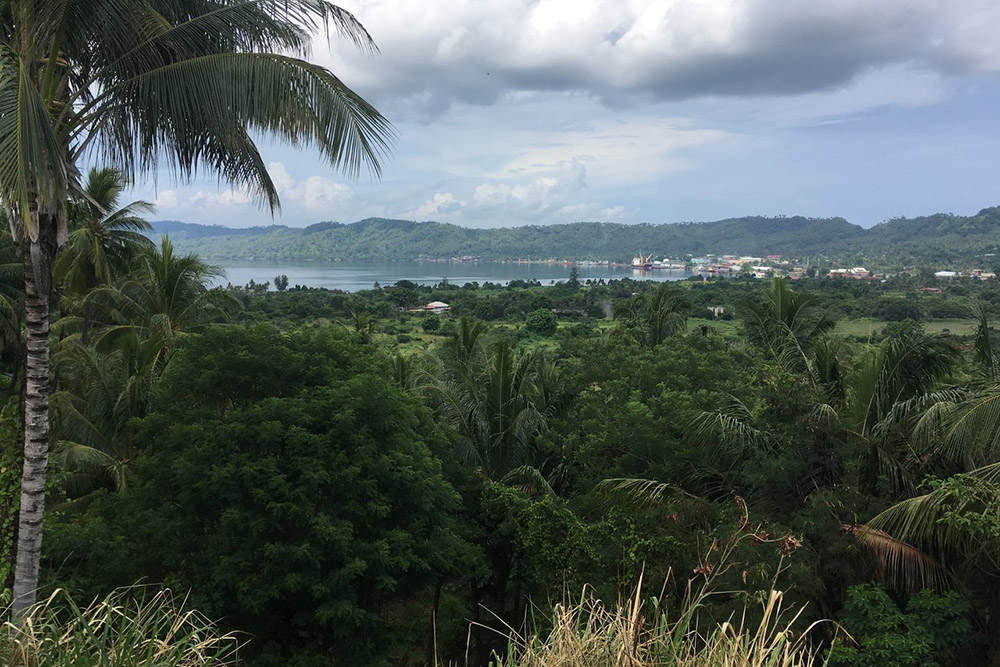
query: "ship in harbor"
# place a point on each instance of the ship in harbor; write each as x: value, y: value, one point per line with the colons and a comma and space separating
x: 647, y: 263
x: 644, y: 262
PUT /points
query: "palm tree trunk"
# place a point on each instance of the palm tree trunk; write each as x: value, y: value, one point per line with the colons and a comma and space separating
x: 36, y: 445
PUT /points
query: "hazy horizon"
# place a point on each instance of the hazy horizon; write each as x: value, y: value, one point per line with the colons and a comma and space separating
x: 278, y: 222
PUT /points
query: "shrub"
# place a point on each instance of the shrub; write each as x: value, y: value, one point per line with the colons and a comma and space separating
x: 431, y: 323
x: 886, y: 636
x: 542, y: 322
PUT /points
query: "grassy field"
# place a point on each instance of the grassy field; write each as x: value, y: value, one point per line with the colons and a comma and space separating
x: 865, y: 327
x: 858, y: 328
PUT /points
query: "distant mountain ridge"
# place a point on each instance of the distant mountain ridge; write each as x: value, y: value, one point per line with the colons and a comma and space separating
x: 939, y: 238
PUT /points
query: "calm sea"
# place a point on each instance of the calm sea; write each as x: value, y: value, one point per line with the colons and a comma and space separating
x: 353, y: 276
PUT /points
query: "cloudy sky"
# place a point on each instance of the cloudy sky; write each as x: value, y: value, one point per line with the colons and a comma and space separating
x: 513, y: 112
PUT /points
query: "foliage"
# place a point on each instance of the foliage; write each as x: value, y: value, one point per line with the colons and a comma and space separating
x: 786, y: 323
x: 542, y: 322
x: 498, y: 401
x: 652, y: 317
x: 314, y: 482
x: 10, y: 473
x: 95, y: 442
x: 303, y: 508
x: 105, y: 238
x: 197, y: 83
x: 164, y: 295
x: 431, y: 323
x: 885, y: 636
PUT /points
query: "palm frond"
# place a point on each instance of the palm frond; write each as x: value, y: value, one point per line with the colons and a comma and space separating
x: 529, y: 479
x: 641, y: 492
x: 898, y: 565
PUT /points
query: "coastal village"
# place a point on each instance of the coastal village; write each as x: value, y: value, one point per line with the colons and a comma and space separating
x: 744, y: 265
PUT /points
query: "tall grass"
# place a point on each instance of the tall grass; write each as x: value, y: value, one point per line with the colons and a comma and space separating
x: 131, y: 627
x: 589, y: 634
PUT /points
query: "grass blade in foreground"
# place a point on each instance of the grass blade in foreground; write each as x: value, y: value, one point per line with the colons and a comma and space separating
x: 131, y: 627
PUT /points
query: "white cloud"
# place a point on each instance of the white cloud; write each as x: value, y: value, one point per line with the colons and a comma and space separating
x: 442, y: 203
x: 540, y: 111
x: 558, y: 196
x: 166, y: 199
x: 282, y: 180
x: 317, y: 194
x: 225, y: 198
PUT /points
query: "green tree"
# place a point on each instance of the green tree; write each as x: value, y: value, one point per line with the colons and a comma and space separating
x: 92, y: 423
x: 103, y: 239
x: 163, y: 296
x: 191, y: 82
x: 498, y: 400
x: 306, y: 505
x: 893, y: 385
x: 431, y: 323
x: 886, y: 636
x: 542, y: 322
x: 786, y: 323
x: 653, y: 316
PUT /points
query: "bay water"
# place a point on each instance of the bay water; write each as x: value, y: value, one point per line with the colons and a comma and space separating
x: 354, y: 276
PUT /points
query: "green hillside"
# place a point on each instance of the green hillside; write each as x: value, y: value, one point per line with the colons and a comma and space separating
x: 941, y: 237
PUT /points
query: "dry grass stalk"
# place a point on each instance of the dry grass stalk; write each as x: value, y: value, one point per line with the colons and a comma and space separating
x: 592, y: 635
x: 124, y: 629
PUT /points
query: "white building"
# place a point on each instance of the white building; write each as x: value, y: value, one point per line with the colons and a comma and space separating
x: 437, y: 307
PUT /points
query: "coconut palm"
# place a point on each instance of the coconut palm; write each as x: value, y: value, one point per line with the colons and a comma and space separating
x: 92, y: 424
x: 135, y: 84
x: 164, y: 295
x: 498, y: 401
x: 896, y: 391
x: 985, y: 354
x: 654, y: 316
x: 950, y: 534
x: 105, y: 238
x: 459, y: 349
x: 362, y: 325
x: 786, y: 323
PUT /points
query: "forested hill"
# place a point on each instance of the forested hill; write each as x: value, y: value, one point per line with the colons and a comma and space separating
x: 939, y: 237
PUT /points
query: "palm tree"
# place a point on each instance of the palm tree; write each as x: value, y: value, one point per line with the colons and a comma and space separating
x: 164, y: 295
x: 950, y: 534
x: 654, y: 316
x: 786, y: 323
x: 362, y: 325
x: 895, y: 391
x: 459, y: 349
x: 947, y: 537
x: 498, y: 401
x: 105, y: 238
x: 92, y: 424
x: 131, y: 83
